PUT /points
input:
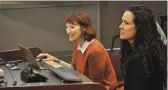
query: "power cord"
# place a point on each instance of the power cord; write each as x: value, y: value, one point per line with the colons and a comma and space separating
x: 8, y: 67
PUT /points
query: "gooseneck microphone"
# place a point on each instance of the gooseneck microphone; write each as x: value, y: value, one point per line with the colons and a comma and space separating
x: 8, y: 66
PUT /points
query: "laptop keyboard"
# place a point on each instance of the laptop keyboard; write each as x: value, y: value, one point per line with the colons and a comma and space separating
x: 65, y: 73
x: 43, y: 65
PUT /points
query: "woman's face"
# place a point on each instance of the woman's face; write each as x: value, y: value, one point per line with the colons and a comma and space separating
x: 73, y: 31
x: 127, y: 27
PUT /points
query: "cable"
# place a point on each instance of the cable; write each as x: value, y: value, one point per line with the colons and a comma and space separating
x: 14, y: 82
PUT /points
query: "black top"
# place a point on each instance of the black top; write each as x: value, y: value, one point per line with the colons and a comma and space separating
x: 135, y: 77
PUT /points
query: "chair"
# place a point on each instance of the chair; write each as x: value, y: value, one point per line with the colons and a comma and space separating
x: 15, y: 54
x: 114, y: 54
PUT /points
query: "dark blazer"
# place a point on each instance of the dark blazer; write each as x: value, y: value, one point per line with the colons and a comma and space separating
x: 135, y: 77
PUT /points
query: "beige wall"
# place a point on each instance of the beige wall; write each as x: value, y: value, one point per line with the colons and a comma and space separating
x: 44, y: 27
x: 31, y: 25
x: 112, y: 11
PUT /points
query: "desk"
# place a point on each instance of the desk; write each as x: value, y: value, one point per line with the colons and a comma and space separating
x: 51, y: 83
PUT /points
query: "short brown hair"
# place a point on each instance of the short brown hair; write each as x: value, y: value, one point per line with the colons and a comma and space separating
x: 84, y: 21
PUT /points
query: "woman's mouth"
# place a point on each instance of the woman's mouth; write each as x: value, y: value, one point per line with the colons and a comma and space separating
x: 71, y: 35
x: 121, y: 32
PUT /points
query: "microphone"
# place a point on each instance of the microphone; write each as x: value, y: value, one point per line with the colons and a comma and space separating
x: 7, y: 66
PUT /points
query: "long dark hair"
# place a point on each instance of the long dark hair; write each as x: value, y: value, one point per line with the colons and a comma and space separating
x: 147, y: 41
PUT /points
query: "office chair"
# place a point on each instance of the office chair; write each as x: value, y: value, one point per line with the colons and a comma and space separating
x: 114, y: 54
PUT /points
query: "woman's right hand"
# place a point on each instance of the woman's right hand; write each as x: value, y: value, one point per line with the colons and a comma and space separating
x: 48, y: 57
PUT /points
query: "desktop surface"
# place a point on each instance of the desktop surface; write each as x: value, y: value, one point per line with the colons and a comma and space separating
x: 52, y: 79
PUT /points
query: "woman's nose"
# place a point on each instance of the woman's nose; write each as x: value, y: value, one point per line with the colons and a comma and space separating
x: 120, y: 26
x: 68, y: 31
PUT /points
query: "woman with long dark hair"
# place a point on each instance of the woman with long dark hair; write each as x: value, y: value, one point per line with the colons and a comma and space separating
x: 143, y: 53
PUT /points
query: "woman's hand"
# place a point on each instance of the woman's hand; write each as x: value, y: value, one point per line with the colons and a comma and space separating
x: 48, y: 57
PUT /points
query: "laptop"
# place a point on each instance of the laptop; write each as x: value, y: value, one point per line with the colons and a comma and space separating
x: 29, y: 56
x: 64, y: 73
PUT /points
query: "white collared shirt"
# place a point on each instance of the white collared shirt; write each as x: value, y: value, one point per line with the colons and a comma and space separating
x: 84, y: 46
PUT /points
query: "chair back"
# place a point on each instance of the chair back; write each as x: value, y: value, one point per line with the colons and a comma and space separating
x: 114, y: 54
x: 115, y: 59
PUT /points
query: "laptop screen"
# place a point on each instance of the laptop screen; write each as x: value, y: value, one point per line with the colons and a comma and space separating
x: 28, y: 55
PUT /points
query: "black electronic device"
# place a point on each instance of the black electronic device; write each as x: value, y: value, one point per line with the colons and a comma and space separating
x: 29, y: 76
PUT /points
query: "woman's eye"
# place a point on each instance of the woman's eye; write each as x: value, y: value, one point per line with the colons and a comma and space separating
x: 72, y: 26
x: 126, y: 23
